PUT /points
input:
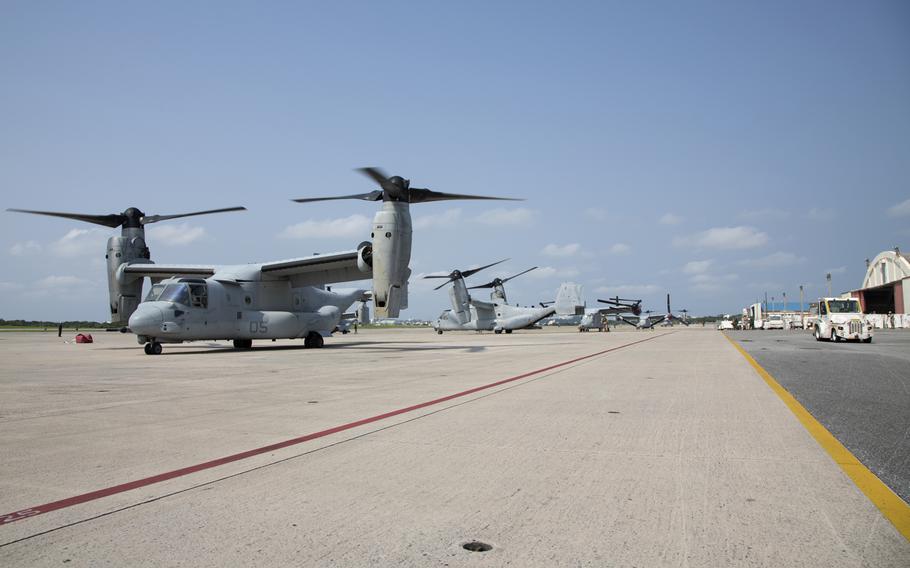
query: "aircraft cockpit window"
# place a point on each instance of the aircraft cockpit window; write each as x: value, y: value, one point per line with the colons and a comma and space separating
x: 155, y: 292
x: 199, y: 296
x: 178, y: 293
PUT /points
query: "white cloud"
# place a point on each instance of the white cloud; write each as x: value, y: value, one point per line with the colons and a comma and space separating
x: 620, y: 248
x: 352, y: 226
x: 697, y: 266
x: 629, y: 289
x: 26, y: 248
x: 711, y: 282
x: 59, y: 282
x: 773, y: 260
x: 670, y: 219
x: 81, y: 242
x: 550, y: 272
x: 448, y: 218
x: 10, y: 286
x: 821, y: 214
x: 570, y: 249
x: 596, y: 214
x: 71, y: 286
x: 175, y: 235
x: 520, y: 216
x: 726, y: 238
x: 902, y: 209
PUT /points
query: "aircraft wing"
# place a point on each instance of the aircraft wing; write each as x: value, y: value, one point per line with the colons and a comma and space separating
x: 318, y: 269
x: 167, y: 270
x: 610, y: 311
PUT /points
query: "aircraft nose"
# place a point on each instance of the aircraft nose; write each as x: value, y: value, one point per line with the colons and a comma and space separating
x: 146, y: 320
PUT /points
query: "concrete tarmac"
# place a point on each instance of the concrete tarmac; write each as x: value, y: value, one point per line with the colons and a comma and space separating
x: 860, y: 392
x: 667, y: 452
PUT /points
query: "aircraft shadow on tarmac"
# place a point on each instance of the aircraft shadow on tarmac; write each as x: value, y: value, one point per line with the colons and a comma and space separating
x: 401, y: 346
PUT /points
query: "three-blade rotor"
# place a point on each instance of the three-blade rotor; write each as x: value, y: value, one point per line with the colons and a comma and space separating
x: 397, y: 188
x: 457, y: 274
x: 633, y: 306
x: 132, y: 217
x: 500, y: 281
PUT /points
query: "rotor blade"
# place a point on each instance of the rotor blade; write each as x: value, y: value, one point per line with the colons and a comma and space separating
x: 519, y: 274
x: 375, y: 174
x: 438, y: 276
x: 487, y: 285
x: 668, y: 303
x: 375, y: 195
x: 155, y: 218
x: 444, y: 283
x: 419, y: 195
x: 466, y: 273
x: 114, y: 220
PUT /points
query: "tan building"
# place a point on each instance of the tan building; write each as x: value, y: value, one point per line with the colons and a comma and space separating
x: 886, y: 287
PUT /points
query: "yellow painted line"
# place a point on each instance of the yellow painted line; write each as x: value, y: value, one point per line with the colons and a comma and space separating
x: 893, y: 507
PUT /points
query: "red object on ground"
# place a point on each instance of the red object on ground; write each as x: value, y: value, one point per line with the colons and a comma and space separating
x: 84, y: 338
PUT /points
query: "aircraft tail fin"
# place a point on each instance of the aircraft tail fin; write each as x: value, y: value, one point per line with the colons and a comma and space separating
x: 568, y: 300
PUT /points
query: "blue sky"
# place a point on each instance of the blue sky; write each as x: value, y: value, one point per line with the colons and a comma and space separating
x: 712, y: 150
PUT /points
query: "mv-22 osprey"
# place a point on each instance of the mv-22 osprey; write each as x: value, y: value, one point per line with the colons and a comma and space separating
x: 644, y: 320
x: 497, y: 315
x: 285, y: 299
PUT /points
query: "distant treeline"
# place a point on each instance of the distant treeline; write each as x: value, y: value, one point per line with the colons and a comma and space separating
x: 53, y: 324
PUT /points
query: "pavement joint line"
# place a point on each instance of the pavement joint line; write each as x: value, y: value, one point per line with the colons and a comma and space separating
x: 887, y: 501
x: 146, y: 481
x: 274, y: 463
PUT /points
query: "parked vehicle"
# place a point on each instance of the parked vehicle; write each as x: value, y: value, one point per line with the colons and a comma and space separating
x: 841, y: 319
x: 774, y: 321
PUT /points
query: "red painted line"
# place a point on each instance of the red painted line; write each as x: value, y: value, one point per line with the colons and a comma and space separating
x: 93, y: 495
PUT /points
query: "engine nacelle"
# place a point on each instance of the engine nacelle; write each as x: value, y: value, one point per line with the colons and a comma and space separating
x: 390, y: 255
x: 124, y: 296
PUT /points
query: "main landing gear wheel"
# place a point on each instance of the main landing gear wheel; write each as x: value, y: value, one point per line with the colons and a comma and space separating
x: 439, y: 331
x: 313, y: 340
x: 497, y: 331
x: 508, y: 331
x: 243, y: 344
x: 153, y: 348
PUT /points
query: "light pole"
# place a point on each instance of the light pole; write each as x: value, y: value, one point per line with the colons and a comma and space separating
x: 828, y: 278
x: 785, y: 301
x: 800, y: 298
x: 772, y: 303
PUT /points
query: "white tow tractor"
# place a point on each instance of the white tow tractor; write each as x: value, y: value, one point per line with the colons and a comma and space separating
x: 841, y: 319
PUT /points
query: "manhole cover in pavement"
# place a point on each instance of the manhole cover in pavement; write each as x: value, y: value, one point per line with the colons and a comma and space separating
x: 476, y: 546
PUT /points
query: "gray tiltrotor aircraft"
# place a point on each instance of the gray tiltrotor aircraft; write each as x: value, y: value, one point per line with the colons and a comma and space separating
x: 644, y: 320
x: 286, y: 299
x: 572, y: 310
x: 125, y: 292
x: 496, y: 315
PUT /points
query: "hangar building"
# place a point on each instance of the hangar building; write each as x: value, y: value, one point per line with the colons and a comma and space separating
x: 886, y: 287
